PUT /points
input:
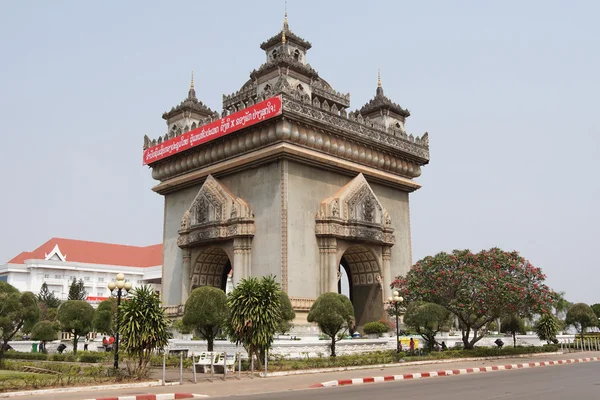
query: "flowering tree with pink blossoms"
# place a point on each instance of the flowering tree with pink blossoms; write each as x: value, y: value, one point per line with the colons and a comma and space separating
x: 477, y: 288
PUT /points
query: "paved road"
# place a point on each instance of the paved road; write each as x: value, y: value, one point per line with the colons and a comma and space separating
x: 247, y: 387
x: 552, y: 383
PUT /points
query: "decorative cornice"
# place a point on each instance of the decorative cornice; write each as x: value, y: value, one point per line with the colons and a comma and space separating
x: 283, y: 60
x: 289, y: 36
x: 301, y: 303
x: 303, y: 134
x: 358, y: 126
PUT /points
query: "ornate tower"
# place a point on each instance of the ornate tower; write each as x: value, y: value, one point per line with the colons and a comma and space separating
x: 287, y: 181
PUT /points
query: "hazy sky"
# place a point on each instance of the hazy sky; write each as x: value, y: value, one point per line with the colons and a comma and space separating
x: 508, y: 93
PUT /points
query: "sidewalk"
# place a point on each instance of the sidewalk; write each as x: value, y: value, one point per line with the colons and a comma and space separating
x: 247, y: 386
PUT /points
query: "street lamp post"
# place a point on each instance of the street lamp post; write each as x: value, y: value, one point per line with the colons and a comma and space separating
x: 396, y: 300
x: 122, y: 289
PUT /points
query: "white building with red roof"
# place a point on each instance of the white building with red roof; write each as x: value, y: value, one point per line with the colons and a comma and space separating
x: 58, y: 261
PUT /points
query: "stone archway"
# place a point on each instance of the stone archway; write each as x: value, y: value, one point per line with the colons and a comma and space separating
x: 354, y: 230
x: 366, y: 294
x: 211, y: 268
x: 216, y: 231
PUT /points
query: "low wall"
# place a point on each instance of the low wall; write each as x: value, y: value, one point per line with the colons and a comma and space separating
x: 305, y: 347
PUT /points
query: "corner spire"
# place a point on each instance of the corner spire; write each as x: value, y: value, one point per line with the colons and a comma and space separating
x: 192, y: 91
x: 379, y: 91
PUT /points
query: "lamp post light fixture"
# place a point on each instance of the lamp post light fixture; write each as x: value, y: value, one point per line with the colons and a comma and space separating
x: 396, y: 300
x: 122, y: 288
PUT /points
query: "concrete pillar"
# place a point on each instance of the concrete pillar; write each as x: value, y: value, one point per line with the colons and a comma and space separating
x: 328, y: 265
x: 332, y: 268
x: 186, y: 274
x: 242, y: 259
x: 386, y: 272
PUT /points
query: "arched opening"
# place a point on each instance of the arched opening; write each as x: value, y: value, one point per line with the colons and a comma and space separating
x: 345, y: 279
x: 297, y: 55
x: 211, y: 268
x: 363, y: 273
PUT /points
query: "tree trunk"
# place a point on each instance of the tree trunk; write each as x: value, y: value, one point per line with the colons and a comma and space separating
x: 465, y: 338
x: 333, y: 346
x: 75, y: 337
x: 514, y: 339
x: 210, y: 339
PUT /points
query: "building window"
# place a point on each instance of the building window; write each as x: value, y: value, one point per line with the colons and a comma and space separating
x: 87, y: 278
x: 100, y: 279
x: 72, y: 278
x: 57, y: 276
x: 46, y: 276
x: 139, y: 282
x: 100, y: 294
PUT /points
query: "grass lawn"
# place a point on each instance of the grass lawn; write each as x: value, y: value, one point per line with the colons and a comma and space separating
x: 6, y: 375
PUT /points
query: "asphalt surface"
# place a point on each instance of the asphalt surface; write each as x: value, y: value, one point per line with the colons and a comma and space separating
x: 552, y: 383
x: 297, y: 385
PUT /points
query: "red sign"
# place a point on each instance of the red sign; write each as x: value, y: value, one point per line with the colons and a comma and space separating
x: 241, y: 119
x: 94, y: 298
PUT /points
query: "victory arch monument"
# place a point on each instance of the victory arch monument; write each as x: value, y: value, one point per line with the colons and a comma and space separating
x: 287, y: 181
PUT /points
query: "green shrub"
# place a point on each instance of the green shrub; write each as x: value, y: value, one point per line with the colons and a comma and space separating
x: 18, y: 355
x: 171, y: 361
x: 375, y: 327
x: 91, y: 357
x: 69, y: 357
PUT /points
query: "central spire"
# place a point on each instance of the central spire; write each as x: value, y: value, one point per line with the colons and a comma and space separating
x: 378, y: 77
x: 285, y: 25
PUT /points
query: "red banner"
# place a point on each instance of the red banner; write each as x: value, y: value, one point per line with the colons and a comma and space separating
x: 241, y: 119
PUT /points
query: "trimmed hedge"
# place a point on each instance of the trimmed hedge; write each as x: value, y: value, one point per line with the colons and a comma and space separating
x: 18, y: 355
x: 375, y: 327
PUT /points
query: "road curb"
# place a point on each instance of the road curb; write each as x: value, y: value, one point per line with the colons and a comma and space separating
x: 162, y: 396
x: 404, y: 364
x: 418, y: 375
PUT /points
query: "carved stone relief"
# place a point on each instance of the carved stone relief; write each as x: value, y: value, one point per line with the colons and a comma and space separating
x: 354, y: 212
x: 217, y: 215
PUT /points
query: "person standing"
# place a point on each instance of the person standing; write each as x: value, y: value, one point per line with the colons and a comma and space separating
x: 86, y: 343
x: 412, y: 345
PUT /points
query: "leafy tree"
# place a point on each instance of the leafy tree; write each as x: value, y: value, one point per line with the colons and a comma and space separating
x: 255, y: 313
x: 205, y: 312
x: 47, y: 314
x: 477, y: 288
x: 334, y: 314
x: 45, y: 331
x: 16, y: 311
x: 75, y: 317
x: 581, y: 316
x: 144, y: 327
x: 547, y: 327
x: 514, y: 324
x: 560, y: 304
x: 105, y: 316
x: 596, y: 309
x: 47, y: 297
x: 77, y: 290
x: 287, y: 313
x: 427, y: 319
x: 181, y: 327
